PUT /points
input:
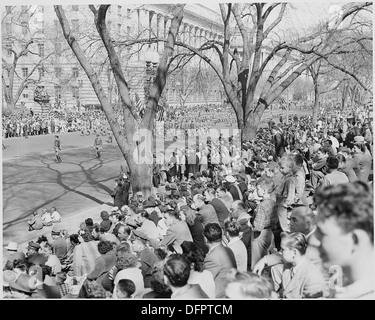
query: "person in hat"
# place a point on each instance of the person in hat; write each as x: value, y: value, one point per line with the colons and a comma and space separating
x: 33, y: 255
x: 18, y: 286
x: 233, y: 188
x: 36, y: 222
x: 11, y: 255
x: 59, y: 245
x: 145, y: 255
x: 126, y: 186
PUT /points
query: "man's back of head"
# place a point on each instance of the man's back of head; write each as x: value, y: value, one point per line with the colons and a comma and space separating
x: 213, y: 232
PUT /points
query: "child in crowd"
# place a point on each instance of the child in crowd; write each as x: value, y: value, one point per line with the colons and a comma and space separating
x: 106, y: 223
x: 125, y: 289
x: 46, y: 217
x: 60, y: 279
x: 36, y: 222
x: 55, y: 215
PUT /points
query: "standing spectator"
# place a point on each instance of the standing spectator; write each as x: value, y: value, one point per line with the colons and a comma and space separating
x: 98, y: 145
x: 264, y: 222
x: 278, y: 141
x: 117, y: 193
x: 219, y: 259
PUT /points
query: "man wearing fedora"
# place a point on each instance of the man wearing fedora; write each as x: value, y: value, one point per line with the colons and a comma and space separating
x: 146, y: 256
x: 11, y: 255
x: 33, y: 256
x: 59, y: 245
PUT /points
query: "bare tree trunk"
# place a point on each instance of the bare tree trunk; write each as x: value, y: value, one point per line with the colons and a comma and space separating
x: 316, y: 104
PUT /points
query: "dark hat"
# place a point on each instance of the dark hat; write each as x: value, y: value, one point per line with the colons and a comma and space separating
x: 139, y: 235
x: 89, y: 222
x: 33, y: 245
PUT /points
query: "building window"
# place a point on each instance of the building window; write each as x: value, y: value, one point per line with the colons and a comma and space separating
x: 58, y: 92
x: 75, y: 72
x: 75, y: 91
x: 8, y: 28
x: 25, y: 27
x: 128, y: 13
x: 119, y: 10
x: 75, y: 8
x: 25, y: 72
x: 41, y: 49
x: 8, y: 9
x: 41, y: 72
x: 25, y: 95
x: 75, y: 26
x: 57, y: 72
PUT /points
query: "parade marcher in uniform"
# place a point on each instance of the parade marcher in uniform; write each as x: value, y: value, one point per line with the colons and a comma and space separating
x: 57, y: 148
x: 98, y: 144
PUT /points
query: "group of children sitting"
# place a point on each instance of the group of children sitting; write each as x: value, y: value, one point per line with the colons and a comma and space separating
x: 45, y: 218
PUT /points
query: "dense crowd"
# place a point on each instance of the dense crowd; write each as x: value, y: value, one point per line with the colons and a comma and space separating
x: 30, y: 124
x: 278, y: 216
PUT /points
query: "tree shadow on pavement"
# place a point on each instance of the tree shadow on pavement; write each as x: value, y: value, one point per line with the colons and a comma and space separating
x: 36, y: 181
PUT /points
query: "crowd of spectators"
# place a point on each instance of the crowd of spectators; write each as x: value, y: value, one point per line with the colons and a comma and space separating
x: 267, y: 218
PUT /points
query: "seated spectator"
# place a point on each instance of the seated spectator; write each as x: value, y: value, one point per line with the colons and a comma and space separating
x: 46, y: 217
x: 219, y: 259
x: 55, y: 215
x: 52, y: 260
x: 125, y: 289
x: 232, y: 231
x: 36, y: 222
x: 300, y: 277
x: 345, y: 236
x: 104, y: 263
x: 11, y: 255
x: 198, y: 274
x: 106, y: 223
x: 61, y: 284
x: 159, y: 288
x: 33, y: 255
x: 248, y: 285
x: 206, y: 212
x: 176, y: 275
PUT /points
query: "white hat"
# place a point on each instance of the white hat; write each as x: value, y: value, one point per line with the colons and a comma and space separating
x: 359, y: 139
x: 12, y: 246
x: 230, y: 178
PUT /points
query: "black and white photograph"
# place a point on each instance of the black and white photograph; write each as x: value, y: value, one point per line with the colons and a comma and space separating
x: 198, y: 151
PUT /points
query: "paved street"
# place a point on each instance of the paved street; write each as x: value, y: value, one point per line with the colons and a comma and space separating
x: 32, y: 180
